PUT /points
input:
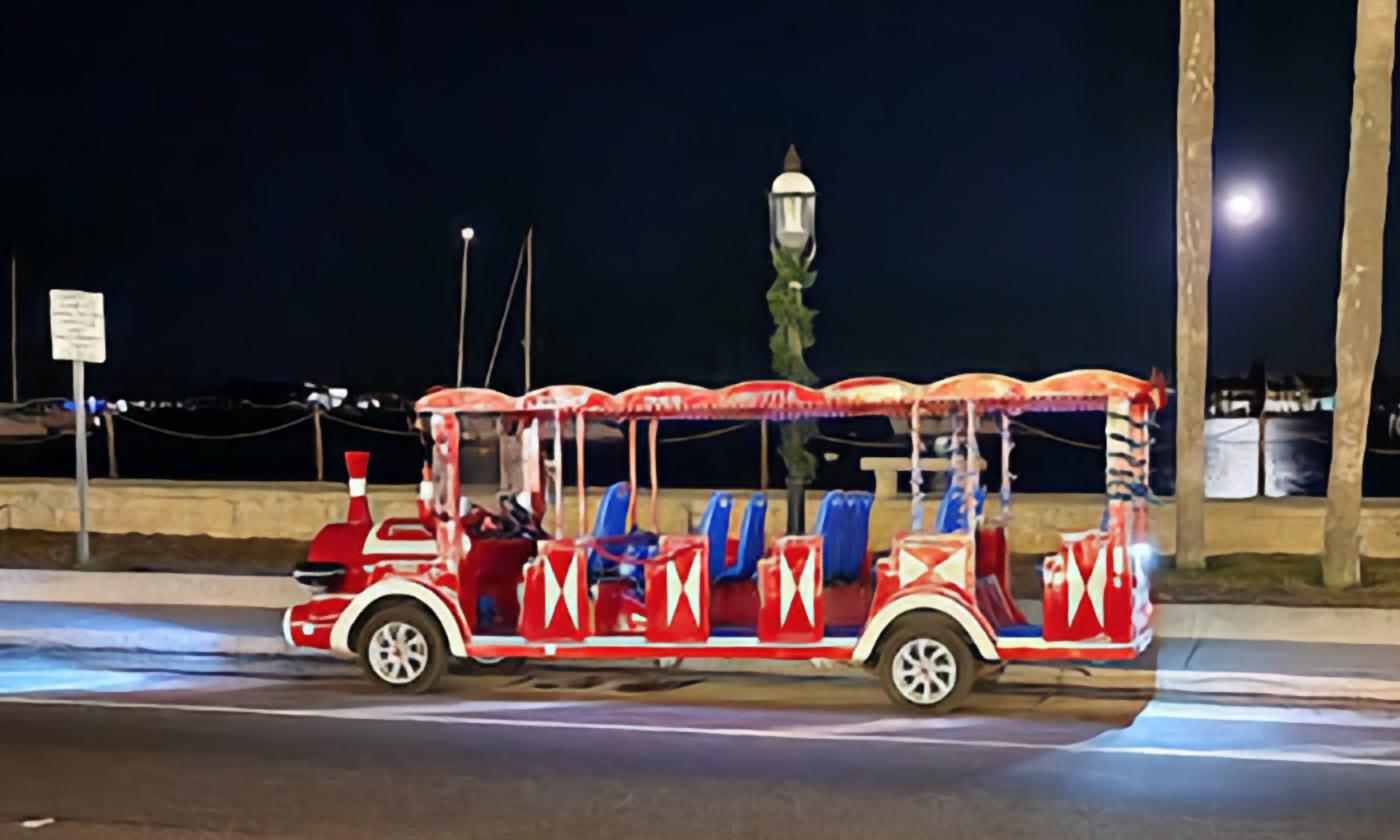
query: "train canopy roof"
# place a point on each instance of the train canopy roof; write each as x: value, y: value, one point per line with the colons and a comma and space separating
x: 1079, y: 390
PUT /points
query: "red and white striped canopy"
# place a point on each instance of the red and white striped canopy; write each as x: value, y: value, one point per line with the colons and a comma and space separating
x: 1079, y: 390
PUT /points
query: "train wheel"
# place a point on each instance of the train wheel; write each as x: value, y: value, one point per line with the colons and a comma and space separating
x: 403, y: 649
x: 926, y: 665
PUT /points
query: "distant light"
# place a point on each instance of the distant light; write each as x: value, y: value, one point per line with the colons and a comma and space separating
x: 1243, y: 207
x: 1144, y: 555
x: 468, y: 233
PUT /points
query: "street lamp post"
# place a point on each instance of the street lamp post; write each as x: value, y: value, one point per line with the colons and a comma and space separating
x: 792, y: 210
x: 467, y: 234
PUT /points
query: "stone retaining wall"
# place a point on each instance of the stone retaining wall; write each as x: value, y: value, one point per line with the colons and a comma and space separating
x: 297, y: 510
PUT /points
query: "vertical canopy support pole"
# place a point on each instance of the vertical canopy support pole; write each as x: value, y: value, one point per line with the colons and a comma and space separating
x: 1006, y: 474
x: 1119, y: 455
x: 559, y: 476
x: 916, y: 473
x: 1142, y: 450
x: 580, y: 432
x: 972, y: 475
x: 651, y: 454
x: 763, y: 454
x: 447, y: 490
x: 631, y: 474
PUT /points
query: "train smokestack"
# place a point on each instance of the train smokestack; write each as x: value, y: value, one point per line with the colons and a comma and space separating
x: 357, y: 467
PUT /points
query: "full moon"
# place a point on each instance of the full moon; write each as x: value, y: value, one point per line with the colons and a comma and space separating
x: 1243, y: 208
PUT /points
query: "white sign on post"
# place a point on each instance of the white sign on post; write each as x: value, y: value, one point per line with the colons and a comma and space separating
x: 79, y: 331
x: 78, y: 325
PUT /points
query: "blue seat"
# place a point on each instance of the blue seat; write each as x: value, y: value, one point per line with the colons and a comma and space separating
x: 951, y: 518
x: 611, y: 521
x: 859, y: 538
x: 841, y: 560
x: 714, y: 527
x: 751, y: 542
x: 829, y: 526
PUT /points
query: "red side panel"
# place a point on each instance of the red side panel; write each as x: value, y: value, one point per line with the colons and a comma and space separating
x: 1091, y: 591
x: 922, y: 560
x: 556, y: 605
x: 678, y: 591
x: 618, y: 610
x: 1118, y: 595
x: 1075, y: 580
x: 994, y: 578
x: 790, y: 591
x: 495, y: 572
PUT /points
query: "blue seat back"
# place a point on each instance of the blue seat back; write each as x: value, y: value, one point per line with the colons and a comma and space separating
x: 611, y: 521
x: 951, y: 518
x: 751, y: 541
x: 830, y: 526
x: 714, y: 527
x: 859, y: 538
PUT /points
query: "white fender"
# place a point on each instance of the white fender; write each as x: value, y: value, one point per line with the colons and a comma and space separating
x: 340, y: 633
x: 925, y: 601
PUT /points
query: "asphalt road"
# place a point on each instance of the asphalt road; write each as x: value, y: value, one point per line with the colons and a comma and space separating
x: 125, y: 749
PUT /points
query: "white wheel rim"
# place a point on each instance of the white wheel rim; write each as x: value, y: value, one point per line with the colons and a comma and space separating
x: 924, y: 671
x: 398, y: 653
x: 488, y: 660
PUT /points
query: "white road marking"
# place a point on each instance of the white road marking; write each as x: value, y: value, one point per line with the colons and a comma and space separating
x: 1327, y: 756
x: 889, y: 724
x: 1351, y: 718
x: 464, y: 707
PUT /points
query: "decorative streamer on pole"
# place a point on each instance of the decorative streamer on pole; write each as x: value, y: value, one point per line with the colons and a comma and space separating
x: 631, y: 474
x: 559, y: 477
x: 579, y: 432
x: 1006, y: 475
x: 651, y: 451
x: 916, y: 474
x: 971, y: 467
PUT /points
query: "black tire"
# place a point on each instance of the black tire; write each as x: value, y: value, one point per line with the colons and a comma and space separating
x: 503, y: 666
x: 932, y: 640
x: 432, y: 651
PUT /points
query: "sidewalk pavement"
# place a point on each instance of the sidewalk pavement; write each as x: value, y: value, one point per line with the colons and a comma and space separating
x: 1192, y: 666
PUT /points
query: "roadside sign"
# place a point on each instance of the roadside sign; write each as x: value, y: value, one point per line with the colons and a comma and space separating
x: 79, y: 329
x: 78, y: 325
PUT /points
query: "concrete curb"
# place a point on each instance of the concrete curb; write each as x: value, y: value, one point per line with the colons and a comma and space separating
x: 173, y: 640
x: 1238, y: 622
x: 152, y: 588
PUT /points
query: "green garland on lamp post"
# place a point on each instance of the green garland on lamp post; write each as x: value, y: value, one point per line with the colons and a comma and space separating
x: 793, y: 334
x: 792, y: 206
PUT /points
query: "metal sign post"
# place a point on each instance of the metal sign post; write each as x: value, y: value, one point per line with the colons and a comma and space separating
x: 78, y: 325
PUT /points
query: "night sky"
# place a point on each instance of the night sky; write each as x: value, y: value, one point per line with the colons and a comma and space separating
x: 274, y: 191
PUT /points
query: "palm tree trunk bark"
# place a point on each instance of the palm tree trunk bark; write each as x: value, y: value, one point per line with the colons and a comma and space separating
x: 1195, y: 126
x: 1359, y: 298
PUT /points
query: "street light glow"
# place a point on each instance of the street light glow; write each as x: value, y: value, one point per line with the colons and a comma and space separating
x: 1243, y: 207
x: 467, y: 234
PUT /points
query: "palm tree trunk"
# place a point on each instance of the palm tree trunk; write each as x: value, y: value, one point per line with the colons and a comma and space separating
x: 1359, y: 299
x: 1195, y: 126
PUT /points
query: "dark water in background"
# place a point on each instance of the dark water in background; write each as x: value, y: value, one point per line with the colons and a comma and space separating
x: 730, y: 460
